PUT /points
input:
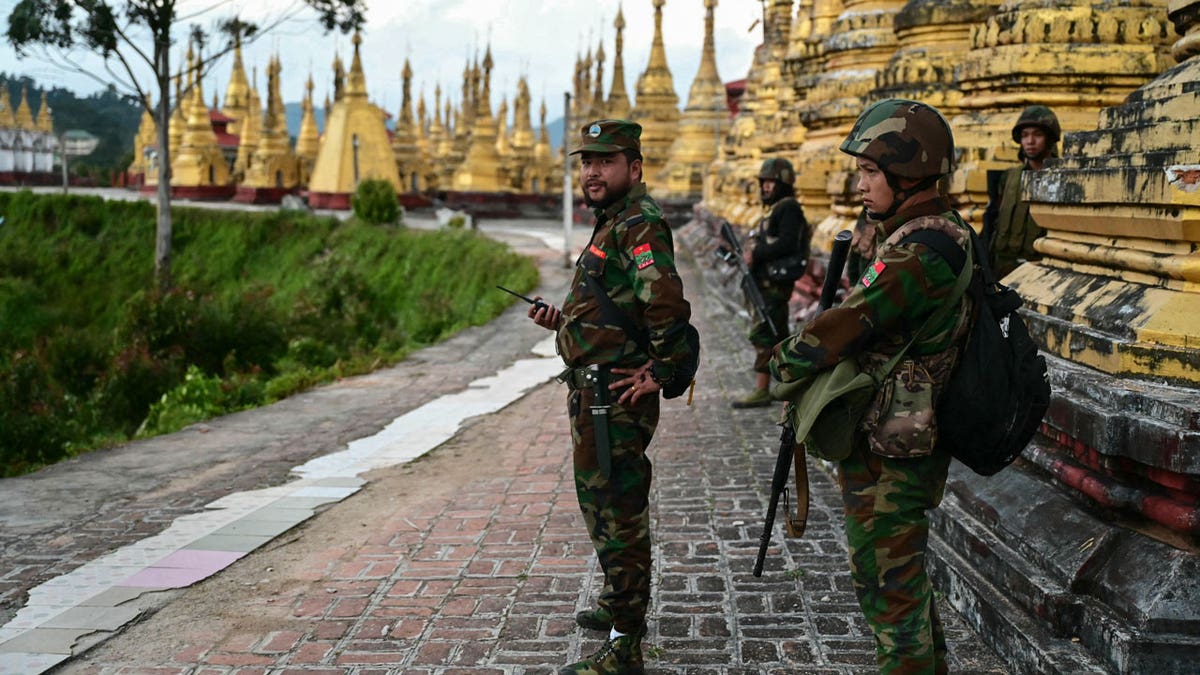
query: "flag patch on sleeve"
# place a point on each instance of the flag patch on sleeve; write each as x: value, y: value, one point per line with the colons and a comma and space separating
x: 643, y: 257
x: 873, y: 273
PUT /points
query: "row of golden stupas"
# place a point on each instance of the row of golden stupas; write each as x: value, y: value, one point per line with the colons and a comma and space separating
x: 241, y: 149
x: 27, y: 142
x: 464, y: 149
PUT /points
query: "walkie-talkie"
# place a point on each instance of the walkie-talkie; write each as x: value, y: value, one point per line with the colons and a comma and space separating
x: 537, y: 304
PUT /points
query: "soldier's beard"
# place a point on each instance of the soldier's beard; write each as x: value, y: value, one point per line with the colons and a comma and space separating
x: 612, y: 195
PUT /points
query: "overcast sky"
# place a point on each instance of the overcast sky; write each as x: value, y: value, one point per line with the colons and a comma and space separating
x: 536, y: 38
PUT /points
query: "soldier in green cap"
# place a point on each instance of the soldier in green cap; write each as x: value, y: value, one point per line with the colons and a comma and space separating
x: 891, y: 473
x: 776, y: 260
x: 625, y: 279
x: 1008, y: 228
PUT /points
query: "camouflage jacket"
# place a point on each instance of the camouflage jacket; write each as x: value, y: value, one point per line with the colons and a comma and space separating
x: 782, y: 232
x: 900, y: 290
x: 902, y: 287
x: 635, y: 263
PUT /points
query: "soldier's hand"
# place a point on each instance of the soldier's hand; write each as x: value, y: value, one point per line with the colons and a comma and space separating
x: 544, y: 314
x: 639, y: 382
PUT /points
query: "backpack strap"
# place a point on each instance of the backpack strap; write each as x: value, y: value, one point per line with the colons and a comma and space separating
x: 609, y: 310
x: 613, y: 314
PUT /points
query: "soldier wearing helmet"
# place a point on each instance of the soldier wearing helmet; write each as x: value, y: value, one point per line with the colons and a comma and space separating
x: 908, y: 300
x: 1008, y: 228
x: 776, y: 260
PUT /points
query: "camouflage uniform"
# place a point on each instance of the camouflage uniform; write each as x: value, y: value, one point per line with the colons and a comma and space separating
x: 1008, y: 228
x: 782, y: 232
x: 631, y: 254
x: 893, y: 474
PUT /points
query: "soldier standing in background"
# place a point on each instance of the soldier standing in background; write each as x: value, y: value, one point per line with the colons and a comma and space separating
x: 1008, y: 228
x: 892, y: 472
x: 631, y: 260
x: 780, y: 253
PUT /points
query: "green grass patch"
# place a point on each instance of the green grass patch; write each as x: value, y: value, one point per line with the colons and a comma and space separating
x: 264, y: 305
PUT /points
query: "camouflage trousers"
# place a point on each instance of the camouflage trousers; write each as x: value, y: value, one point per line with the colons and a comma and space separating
x: 776, y: 297
x: 617, y: 509
x: 887, y: 529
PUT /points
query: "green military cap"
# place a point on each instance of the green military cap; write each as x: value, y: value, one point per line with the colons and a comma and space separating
x: 610, y: 136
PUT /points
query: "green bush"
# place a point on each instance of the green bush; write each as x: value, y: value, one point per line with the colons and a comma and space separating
x: 197, y: 398
x: 375, y: 202
x: 266, y: 305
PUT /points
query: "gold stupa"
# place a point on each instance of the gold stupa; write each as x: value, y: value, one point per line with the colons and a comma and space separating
x: 656, y: 108
x: 618, y: 106
x: 355, y: 146
x: 482, y: 168
x: 702, y: 125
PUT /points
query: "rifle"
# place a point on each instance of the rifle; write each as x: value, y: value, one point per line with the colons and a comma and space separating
x: 731, y: 253
x: 787, y: 438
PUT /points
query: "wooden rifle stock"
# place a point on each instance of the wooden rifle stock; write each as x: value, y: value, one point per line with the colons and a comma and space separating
x: 787, y: 438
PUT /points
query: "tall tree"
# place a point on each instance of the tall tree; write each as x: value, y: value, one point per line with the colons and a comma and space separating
x: 132, y: 36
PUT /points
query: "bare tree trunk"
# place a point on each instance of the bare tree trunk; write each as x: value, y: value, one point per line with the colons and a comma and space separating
x: 162, y: 230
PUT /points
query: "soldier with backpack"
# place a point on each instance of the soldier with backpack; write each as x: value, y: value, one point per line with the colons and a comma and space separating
x: 776, y: 260
x: 909, y: 302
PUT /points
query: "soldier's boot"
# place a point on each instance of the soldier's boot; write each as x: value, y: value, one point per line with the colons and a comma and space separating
x: 600, y: 619
x: 596, y: 619
x: 759, y: 398
x: 617, y: 656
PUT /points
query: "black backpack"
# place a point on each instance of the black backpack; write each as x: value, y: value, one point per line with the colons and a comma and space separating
x: 999, y: 391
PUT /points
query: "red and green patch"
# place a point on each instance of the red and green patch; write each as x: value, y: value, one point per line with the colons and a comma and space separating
x: 643, y: 257
x: 873, y: 273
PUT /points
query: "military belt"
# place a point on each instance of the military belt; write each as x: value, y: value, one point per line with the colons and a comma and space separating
x: 596, y: 378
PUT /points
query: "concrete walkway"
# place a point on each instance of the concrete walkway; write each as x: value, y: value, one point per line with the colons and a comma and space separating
x: 471, y: 558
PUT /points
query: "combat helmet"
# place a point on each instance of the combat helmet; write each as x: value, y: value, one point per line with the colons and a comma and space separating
x: 908, y: 139
x: 777, y: 169
x: 1041, y: 117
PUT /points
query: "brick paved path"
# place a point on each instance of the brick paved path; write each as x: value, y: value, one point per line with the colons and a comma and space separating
x: 474, y: 558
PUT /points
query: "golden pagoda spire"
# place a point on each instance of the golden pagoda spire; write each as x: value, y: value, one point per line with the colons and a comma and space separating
x: 404, y: 141
x: 251, y: 128
x: 45, y: 123
x: 199, y: 163
x: 237, y: 92
x: 657, y: 106
x: 178, y: 120
x: 7, y: 119
x: 598, y: 107
x: 539, y: 177
x: 275, y: 166
x: 618, y: 100
x: 356, y: 145
x: 703, y: 123
x: 482, y: 169
x: 146, y: 137
x: 308, y: 142
x: 339, y: 78
x: 484, y: 105
x: 503, y: 145
x: 522, y: 126
x: 356, y: 84
x: 24, y: 116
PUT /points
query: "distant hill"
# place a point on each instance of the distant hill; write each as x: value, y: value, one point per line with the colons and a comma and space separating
x: 295, y: 114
